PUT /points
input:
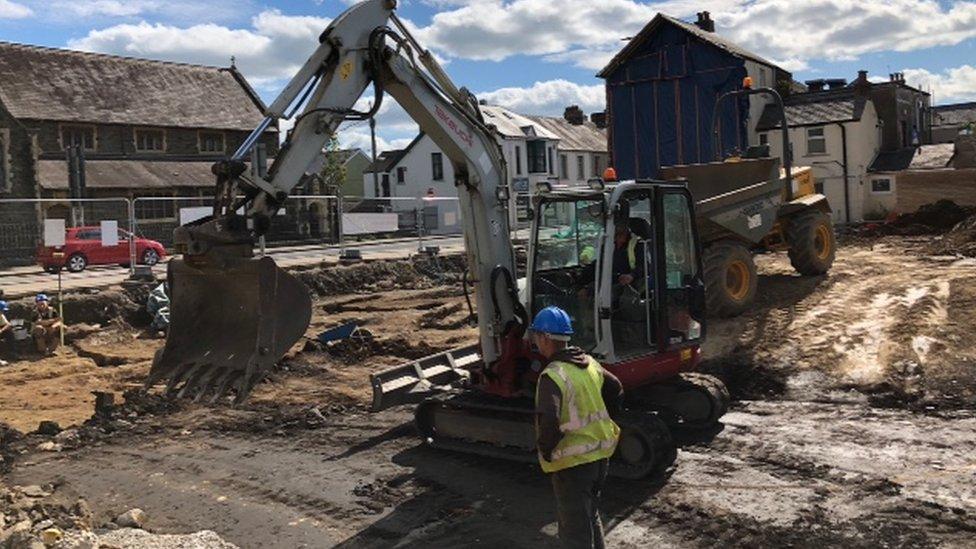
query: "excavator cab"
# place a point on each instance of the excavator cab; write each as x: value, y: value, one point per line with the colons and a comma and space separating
x: 625, y: 264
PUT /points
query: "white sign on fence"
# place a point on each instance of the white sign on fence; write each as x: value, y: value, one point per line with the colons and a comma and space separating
x: 450, y: 218
x: 189, y: 215
x: 367, y: 223
x: 110, y: 233
x: 53, y: 232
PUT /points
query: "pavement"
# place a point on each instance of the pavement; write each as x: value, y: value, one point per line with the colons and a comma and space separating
x: 29, y: 280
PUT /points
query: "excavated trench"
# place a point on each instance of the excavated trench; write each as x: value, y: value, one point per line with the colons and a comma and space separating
x: 853, y: 425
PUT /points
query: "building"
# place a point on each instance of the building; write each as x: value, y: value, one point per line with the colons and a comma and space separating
x: 661, y: 94
x: 351, y: 162
x: 905, y: 113
x: 144, y: 128
x: 902, y: 180
x: 420, y: 170
x: 582, y: 148
x: 948, y: 121
x: 837, y: 132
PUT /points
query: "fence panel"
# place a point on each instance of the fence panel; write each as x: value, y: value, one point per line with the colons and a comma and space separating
x: 72, y: 233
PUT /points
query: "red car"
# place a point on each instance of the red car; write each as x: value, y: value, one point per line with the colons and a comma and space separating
x: 83, y: 247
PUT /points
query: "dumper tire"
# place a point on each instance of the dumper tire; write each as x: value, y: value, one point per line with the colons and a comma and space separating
x: 730, y: 278
x: 812, y: 243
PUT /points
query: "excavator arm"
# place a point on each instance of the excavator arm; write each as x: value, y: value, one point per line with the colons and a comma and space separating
x: 233, y: 316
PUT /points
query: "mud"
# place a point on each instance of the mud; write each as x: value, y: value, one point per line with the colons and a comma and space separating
x: 854, y: 424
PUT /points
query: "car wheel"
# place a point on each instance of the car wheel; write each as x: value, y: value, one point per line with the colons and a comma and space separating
x: 52, y: 270
x: 77, y: 263
x: 150, y: 257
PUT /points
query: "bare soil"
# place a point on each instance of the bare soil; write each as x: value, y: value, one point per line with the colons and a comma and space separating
x: 854, y: 424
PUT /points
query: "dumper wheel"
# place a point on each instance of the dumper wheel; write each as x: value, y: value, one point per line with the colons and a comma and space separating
x: 812, y: 243
x: 730, y: 278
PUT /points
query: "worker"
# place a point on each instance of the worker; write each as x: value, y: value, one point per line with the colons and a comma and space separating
x: 6, y: 328
x: 575, y: 436
x: 47, y: 326
x: 628, y: 264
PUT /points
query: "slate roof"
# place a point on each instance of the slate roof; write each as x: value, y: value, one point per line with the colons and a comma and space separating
x: 710, y: 37
x: 584, y: 137
x: 959, y: 114
x: 38, y: 83
x: 387, y: 160
x: 925, y: 157
x: 128, y: 174
x: 511, y: 124
x: 813, y: 109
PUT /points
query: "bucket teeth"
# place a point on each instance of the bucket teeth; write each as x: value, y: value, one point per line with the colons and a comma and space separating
x: 229, y: 324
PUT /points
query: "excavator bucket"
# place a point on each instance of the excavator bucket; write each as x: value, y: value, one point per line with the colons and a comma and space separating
x: 230, y: 321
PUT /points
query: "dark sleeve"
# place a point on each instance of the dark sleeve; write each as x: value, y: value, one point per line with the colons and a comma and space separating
x: 547, y: 406
x: 612, y: 392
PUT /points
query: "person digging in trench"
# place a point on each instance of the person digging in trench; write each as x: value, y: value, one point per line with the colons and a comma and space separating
x: 574, y: 433
x: 47, y: 326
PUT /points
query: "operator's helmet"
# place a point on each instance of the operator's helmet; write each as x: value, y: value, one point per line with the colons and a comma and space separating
x: 41, y: 297
x: 553, y: 322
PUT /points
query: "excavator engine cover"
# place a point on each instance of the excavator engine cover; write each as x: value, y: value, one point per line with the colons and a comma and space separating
x: 230, y: 320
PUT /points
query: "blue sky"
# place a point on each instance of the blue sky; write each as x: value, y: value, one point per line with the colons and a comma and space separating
x: 535, y: 56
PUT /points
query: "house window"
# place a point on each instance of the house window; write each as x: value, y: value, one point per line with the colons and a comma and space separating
x: 78, y: 135
x: 881, y: 186
x: 816, y: 142
x: 552, y: 168
x: 764, y: 138
x: 537, y: 156
x: 580, y: 167
x: 563, y: 167
x: 437, y: 166
x: 518, y: 160
x: 211, y: 142
x: 401, y: 176
x: 150, y: 140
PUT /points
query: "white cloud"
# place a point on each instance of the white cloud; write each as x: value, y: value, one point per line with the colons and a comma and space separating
x: 952, y: 85
x: 110, y: 8
x: 548, y: 98
x: 14, y: 10
x: 587, y: 33
x: 270, y: 51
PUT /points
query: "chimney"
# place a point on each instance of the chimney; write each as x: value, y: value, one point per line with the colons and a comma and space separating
x: 705, y: 22
x: 599, y: 119
x: 836, y: 83
x: 815, y: 85
x: 862, y: 86
x: 574, y: 115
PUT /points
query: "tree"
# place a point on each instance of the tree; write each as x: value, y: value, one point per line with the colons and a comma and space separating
x: 333, y: 172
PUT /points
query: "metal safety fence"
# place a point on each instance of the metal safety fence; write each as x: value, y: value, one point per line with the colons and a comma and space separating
x: 66, y: 233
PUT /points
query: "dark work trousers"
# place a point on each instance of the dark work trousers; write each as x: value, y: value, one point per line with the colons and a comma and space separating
x: 578, y: 504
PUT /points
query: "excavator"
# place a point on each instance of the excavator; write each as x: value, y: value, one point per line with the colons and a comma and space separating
x: 233, y: 316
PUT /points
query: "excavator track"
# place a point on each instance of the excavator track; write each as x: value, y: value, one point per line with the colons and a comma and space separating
x: 692, y: 400
x: 469, y: 422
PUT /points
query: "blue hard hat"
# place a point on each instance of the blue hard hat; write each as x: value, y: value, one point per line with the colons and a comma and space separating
x: 4, y: 307
x: 40, y: 298
x: 553, y: 320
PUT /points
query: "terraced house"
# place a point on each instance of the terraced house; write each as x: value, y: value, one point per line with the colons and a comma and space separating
x: 140, y: 128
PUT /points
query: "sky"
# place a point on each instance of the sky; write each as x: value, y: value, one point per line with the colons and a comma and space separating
x: 533, y: 56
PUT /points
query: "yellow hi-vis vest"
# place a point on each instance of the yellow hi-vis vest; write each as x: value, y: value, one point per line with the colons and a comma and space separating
x: 632, y: 251
x: 588, y: 432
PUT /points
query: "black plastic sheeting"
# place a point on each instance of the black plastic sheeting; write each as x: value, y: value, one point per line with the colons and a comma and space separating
x: 661, y: 103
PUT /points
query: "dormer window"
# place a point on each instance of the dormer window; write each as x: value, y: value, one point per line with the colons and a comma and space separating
x: 212, y: 142
x: 150, y: 140
x: 78, y: 135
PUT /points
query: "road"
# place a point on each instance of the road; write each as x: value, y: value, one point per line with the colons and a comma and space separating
x: 24, y: 281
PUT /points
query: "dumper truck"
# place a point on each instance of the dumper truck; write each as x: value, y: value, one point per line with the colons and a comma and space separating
x: 754, y: 203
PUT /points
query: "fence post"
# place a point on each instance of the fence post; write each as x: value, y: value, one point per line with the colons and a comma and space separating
x: 130, y: 205
x: 419, y: 212
x: 340, y: 208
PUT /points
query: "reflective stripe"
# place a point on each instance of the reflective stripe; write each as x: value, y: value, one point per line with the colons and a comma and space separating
x: 575, y: 424
x: 569, y: 401
x: 632, y: 251
x: 581, y: 449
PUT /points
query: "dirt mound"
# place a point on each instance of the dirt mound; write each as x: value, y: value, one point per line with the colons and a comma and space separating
x: 383, y: 275
x: 961, y: 239
x: 939, y: 216
x: 116, y: 305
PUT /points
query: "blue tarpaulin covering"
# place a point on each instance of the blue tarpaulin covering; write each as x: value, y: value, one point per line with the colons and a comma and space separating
x: 661, y: 101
